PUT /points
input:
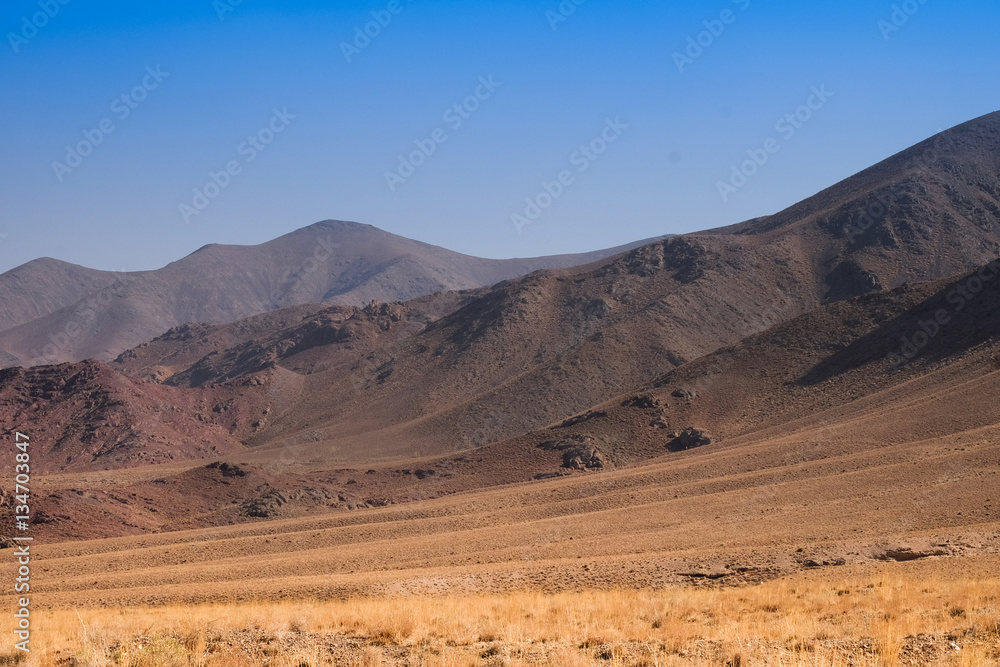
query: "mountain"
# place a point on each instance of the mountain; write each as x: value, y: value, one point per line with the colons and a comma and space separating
x: 937, y: 201
x: 734, y: 336
x: 53, y: 312
x: 532, y: 351
x: 88, y: 416
x: 811, y: 412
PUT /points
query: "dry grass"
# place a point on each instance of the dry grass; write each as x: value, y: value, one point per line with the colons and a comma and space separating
x: 864, y: 623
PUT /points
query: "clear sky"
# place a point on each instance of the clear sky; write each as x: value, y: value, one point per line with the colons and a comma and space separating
x: 184, y: 85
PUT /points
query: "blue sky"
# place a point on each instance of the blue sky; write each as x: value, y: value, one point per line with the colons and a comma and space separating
x: 556, y: 81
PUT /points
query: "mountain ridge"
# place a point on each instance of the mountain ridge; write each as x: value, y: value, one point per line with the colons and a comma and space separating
x: 533, y: 350
x: 54, y: 311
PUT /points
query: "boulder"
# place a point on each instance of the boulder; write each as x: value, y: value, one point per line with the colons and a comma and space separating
x: 642, y: 402
x: 579, y: 453
x: 689, y: 438
x: 266, y: 506
x: 584, y: 457
x: 685, y: 394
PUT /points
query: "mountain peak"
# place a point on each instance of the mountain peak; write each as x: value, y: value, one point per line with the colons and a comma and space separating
x: 947, y: 178
x: 340, y: 225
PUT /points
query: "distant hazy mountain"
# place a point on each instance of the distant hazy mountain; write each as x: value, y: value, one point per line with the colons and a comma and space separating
x: 51, y: 311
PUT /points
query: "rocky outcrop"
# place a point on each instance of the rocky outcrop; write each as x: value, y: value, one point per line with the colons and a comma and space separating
x: 579, y: 453
x: 642, y: 402
x: 689, y: 438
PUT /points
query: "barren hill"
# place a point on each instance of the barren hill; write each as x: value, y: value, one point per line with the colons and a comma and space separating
x: 738, y: 334
x: 823, y: 455
x: 54, y: 312
x: 531, y: 351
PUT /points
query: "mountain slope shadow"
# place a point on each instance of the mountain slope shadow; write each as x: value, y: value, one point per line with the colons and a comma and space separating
x: 962, y: 314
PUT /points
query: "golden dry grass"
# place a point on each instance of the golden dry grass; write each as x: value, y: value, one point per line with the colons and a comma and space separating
x: 873, y: 622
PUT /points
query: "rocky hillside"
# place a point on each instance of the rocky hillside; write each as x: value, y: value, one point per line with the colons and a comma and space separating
x: 54, y: 312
